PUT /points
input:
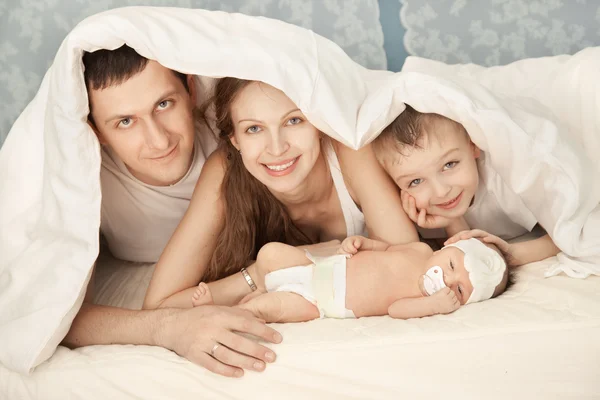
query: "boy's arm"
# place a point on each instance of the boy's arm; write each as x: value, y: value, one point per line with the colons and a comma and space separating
x: 533, y: 250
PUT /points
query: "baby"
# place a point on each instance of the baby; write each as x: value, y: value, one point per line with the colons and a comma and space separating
x: 404, y: 281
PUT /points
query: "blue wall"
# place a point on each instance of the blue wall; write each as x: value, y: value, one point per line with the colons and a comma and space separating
x: 393, y: 33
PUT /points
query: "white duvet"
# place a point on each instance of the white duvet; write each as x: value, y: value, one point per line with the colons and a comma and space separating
x: 50, y: 198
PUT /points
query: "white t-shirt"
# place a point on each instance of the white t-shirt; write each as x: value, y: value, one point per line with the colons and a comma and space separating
x: 507, y: 218
x: 139, y: 219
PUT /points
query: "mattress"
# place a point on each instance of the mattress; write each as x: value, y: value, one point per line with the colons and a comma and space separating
x: 539, y: 340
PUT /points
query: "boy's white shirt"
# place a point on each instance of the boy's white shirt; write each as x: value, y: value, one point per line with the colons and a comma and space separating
x: 50, y: 198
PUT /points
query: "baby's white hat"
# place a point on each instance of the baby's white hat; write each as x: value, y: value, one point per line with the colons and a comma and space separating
x: 485, y: 266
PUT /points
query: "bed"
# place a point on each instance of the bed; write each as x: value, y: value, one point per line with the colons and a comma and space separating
x: 539, y: 340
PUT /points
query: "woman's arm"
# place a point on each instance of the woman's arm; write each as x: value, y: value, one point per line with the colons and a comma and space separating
x: 376, y: 194
x: 189, y: 251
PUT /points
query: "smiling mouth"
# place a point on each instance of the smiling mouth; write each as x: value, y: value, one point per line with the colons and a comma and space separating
x: 450, y: 204
x: 163, y: 157
x: 281, y: 167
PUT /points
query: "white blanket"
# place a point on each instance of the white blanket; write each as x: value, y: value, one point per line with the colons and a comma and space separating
x: 539, y: 123
x: 49, y: 186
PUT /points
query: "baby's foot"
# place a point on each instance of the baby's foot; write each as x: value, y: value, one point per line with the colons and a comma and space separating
x: 202, y: 295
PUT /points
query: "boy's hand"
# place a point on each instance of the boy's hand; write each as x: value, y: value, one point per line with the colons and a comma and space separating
x: 351, y: 245
x: 420, y: 217
x: 445, y: 301
x: 507, y: 249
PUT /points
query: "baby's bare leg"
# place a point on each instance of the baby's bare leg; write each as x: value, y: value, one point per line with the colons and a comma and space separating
x: 281, y: 307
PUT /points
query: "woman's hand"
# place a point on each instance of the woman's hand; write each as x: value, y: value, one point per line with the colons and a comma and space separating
x: 215, y: 337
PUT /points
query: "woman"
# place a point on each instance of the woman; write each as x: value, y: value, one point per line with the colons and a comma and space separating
x: 275, y: 177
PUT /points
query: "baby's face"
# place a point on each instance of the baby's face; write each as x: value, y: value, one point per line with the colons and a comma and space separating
x: 442, y: 174
x: 456, y: 277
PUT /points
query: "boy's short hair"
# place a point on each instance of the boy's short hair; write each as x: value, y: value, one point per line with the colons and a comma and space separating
x: 104, y: 68
x: 406, y: 131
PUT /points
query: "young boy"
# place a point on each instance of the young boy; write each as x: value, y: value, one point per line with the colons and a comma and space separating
x: 404, y: 281
x: 445, y: 183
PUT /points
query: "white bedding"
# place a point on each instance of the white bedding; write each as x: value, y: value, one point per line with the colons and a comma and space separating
x: 537, y: 341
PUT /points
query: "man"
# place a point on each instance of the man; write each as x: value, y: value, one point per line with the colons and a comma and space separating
x: 142, y: 114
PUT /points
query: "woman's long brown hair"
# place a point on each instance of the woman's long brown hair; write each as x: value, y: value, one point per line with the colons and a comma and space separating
x: 253, y: 216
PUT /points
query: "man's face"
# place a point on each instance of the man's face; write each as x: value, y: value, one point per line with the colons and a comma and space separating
x: 442, y: 175
x: 148, y: 122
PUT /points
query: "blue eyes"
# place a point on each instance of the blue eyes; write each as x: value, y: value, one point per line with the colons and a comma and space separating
x: 291, y: 121
x: 125, y: 122
x: 450, y: 165
x: 415, y: 182
x: 253, y: 129
x: 164, y: 104
x: 447, y: 166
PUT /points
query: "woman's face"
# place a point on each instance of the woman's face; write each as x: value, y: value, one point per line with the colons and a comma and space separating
x: 278, y: 146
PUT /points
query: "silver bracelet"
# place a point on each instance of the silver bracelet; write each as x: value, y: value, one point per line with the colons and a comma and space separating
x: 248, y: 279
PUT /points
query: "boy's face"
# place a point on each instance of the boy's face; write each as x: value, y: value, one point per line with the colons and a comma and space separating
x: 148, y: 122
x: 442, y: 174
x: 456, y: 277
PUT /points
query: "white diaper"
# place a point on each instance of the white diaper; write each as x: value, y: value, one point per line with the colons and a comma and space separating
x: 322, y: 283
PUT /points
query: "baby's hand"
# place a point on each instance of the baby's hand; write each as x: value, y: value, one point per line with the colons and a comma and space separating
x: 421, y: 217
x: 351, y: 245
x: 445, y: 301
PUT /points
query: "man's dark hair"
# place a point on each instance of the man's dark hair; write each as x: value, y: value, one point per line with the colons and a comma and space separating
x: 105, y: 68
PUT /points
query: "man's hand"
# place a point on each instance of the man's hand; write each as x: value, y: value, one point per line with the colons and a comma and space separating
x: 420, y: 217
x: 445, y: 301
x: 210, y: 336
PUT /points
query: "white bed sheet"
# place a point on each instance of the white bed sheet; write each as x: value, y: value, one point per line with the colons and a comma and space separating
x: 537, y: 341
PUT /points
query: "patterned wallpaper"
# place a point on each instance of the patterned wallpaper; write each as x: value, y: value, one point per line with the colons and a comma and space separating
x: 496, y: 32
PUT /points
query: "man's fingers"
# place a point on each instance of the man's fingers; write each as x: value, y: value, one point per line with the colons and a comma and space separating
x: 255, y: 328
x: 233, y: 358
x: 213, y: 365
x: 249, y: 349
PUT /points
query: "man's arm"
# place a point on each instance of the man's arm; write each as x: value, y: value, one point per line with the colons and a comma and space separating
x: 191, y: 333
